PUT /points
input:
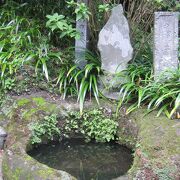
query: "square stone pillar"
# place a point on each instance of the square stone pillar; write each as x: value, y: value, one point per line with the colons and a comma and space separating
x: 82, y: 44
x: 165, y: 43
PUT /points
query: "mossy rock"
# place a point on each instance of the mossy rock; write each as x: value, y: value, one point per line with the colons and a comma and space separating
x: 17, y: 164
x: 18, y: 167
x: 157, y: 147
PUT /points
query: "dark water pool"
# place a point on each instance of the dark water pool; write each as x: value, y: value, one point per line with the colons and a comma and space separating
x: 85, y: 161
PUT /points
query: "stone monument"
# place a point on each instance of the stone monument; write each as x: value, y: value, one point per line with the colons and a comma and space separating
x: 116, y: 51
x: 82, y: 43
x: 165, y: 43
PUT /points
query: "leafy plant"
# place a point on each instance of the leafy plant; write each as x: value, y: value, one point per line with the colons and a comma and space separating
x: 93, y: 124
x: 61, y: 25
x: 20, y: 39
x: 142, y: 89
x: 22, y: 43
x: 8, y: 84
x: 45, y: 56
x: 167, y: 5
x: 13, y: 44
x: 44, y: 130
x: 103, y: 8
x: 99, y: 127
x: 81, y: 9
x: 81, y: 81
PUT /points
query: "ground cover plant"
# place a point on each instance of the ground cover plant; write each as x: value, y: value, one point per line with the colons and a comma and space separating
x: 94, y: 124
x: 45, y: 130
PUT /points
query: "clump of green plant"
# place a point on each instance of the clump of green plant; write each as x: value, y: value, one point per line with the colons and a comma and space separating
x: 94, y: 124
x: 99, y: 127
x: 81, y: 82
x: 162, y: 94
x: 44, y: 130
x: 172, y: 5
x: 61, y: 25
x: 81, y: 9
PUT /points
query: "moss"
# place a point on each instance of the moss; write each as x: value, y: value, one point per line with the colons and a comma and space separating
x: 43, y: 105
x: 23, y: 101
x: 27, y: 158
x: 157, y: 141
x: 27, y: 114
x: 20, y: 167
x: 45, y: 173
x: 16, y: 174
x: 128, y: 141
x: 39, y: 101
x: 10, y: 174
x: 32, y: 108
x: 2, y: 117
x: 5, y: 169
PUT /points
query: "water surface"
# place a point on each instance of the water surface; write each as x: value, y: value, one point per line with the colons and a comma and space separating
x: 85, y: 161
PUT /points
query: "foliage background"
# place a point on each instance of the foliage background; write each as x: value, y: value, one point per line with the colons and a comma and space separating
x: 32, y: 51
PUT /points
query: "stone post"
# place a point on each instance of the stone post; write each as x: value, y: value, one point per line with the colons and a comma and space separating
x: 82, y: 43
x: 165, y: 43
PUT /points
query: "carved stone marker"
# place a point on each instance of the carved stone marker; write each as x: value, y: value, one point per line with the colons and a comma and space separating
x: 82, y: 43
x: 165, y: 43
x: 115, y: 49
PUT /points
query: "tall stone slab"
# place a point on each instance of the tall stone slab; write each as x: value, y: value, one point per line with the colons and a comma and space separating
x: 165, y: 43
x: 116, y: 51
x: 114, y: 42
x: 82, y: 43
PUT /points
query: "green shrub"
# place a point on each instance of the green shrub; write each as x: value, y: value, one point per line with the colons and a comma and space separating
x: 61, y: 25
x: 99, y: 127
x: 44, y: 130
x: 93, y: 124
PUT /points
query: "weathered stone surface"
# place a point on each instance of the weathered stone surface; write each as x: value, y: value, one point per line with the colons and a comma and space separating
x: 17, y: 164
x: 158, y: 146
x: 114, y: 42
x: 82, y: 43
x: 165, y: 43
x: 109, y: 84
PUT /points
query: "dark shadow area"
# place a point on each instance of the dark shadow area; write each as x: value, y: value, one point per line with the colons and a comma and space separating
x: 85, y: 161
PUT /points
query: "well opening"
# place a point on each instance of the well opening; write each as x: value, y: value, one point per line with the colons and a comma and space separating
x: 85, y: 161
